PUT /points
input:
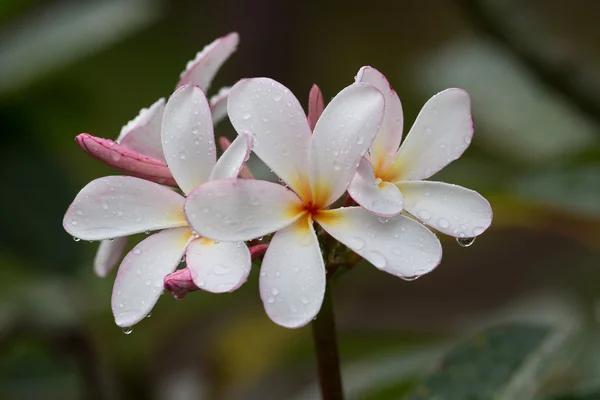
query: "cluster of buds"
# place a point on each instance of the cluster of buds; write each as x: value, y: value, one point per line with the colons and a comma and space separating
x: 348, y: 189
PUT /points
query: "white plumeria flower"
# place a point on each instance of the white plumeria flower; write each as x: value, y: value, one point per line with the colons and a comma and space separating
x: 318, y: 169
x: 138, y: 150
x: 117, y: 206
x: 392, y: 179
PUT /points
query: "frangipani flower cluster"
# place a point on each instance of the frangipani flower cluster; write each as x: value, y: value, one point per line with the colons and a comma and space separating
x: 351, y: 145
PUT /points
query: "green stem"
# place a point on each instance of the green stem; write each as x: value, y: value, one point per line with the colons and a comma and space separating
x: 326, y: 348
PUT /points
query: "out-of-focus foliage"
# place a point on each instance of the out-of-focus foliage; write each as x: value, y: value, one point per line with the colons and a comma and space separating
x: 68, y: 67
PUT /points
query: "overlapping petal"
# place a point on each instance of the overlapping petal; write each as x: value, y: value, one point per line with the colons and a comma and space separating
x: 380, y: 198
x: 241, y: 209
x: 124, y: 159
x: 188, y: 138
x: 292, y: 275
x: 202, y: 69
x: 316, y: 105
x: 218, y: 267
x: 116, y: 206
x: 269, y: 111
x: 389, y: 136
x: 232, y: 160
x: 142, y: 133
x: 341, y: 138
x: 108, y: 255
x: 441, y: 133
x: 398, y: 245
x: 218, y: 105
x: 451, y: 209
x: 139, y: 281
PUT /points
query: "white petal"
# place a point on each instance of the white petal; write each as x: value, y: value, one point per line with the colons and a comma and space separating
x: 115, y: 206
x: 142, y: 133
x: 108, y: 255
x: 241, y: 209
x: 388, y: 138
x: 441, y: 133
x: 451, y: 209
x: 292, y: 276
x: 218, y: 267
x: 341, y: 138
x: 269, y: 111
x: 399, y: 245
x: 380, y: 198
x: 139, y: 282
x: 188, y: 139
x: 203, y: 68
x: 140, y: 279
x: 218, y: 105
x: 232, y: 159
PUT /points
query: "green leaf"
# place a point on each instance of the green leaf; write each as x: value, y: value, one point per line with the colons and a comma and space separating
x: 502, y: 363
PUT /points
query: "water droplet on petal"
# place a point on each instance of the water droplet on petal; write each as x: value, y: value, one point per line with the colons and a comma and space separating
x: 220, y: 270
x: 383, y: 220
x: 443, y: 223
x: 127, y: 330
x: 76, y: 239
x: 423, y: 214
x: 355, y: 243
x: 466, y: 241
x: 275, y: 291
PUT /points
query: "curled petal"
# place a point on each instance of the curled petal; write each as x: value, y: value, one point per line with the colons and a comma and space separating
x: 218, y: 267
x: 187, y: 137
x: 245, y: 171
x: 126, y: 160
x: 108, y: 255
x: 292, y: 276
x: 241, y: 209
x: 399, y: 245
x: 218, y: 105
x: 180, y: 282
x: 115, y: 206
x: 142, y: 134
x: 388, y: 138
x: 380, y: 198
x: 139, y: 282
x: 341, y: 138
x: 316, y: 105
x: 441, y: 133
x: 203, y: 68
x: 451, y: 209
x: 269, y: 111
x: 232, y: 160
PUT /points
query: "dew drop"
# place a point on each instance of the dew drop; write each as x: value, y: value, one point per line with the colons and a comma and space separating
x: 275, y: 291
x: 477, y: 231
x: 136, y: 251
x: 466, y: 241
x: 74, y: 222
x: 246, y: 115
x: 355, y: 243
x: 410, y: 278
x: 383, y: 220
x: 443, y: 223
x: 376, y: 258
x: 220, y: 270
x: 76, y: 239
x: 270, y: 300
x: 423, y: 214
x: 127, y: 330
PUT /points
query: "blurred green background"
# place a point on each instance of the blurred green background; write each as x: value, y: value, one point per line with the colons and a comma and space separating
x: 532, y: 69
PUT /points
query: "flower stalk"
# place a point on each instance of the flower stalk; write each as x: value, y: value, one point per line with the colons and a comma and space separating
x: 326, y: 348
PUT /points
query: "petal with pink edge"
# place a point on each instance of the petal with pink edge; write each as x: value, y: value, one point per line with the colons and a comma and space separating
x: 142, y: 133
x: 115, y: 206
x: 218, y: 267
x: 451, y: 209
x: 399, y: 245
x: 388, y: 138
x: 380, y: 198
x: 441, y: 133
x: 292, y: 276
x: 316, y: 105
x: 203, y: 68
x: 218, y: 105
x: 241, y: 209
x: 269, y: 111
x: 140, y: 279
x: 108, y: 255
x: 341, y: 138
x: 188, y: 139
x: 231, y: 161
x: 124, y: 159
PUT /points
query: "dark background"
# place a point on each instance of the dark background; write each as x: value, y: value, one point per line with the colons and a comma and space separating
x: 532, y: 69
